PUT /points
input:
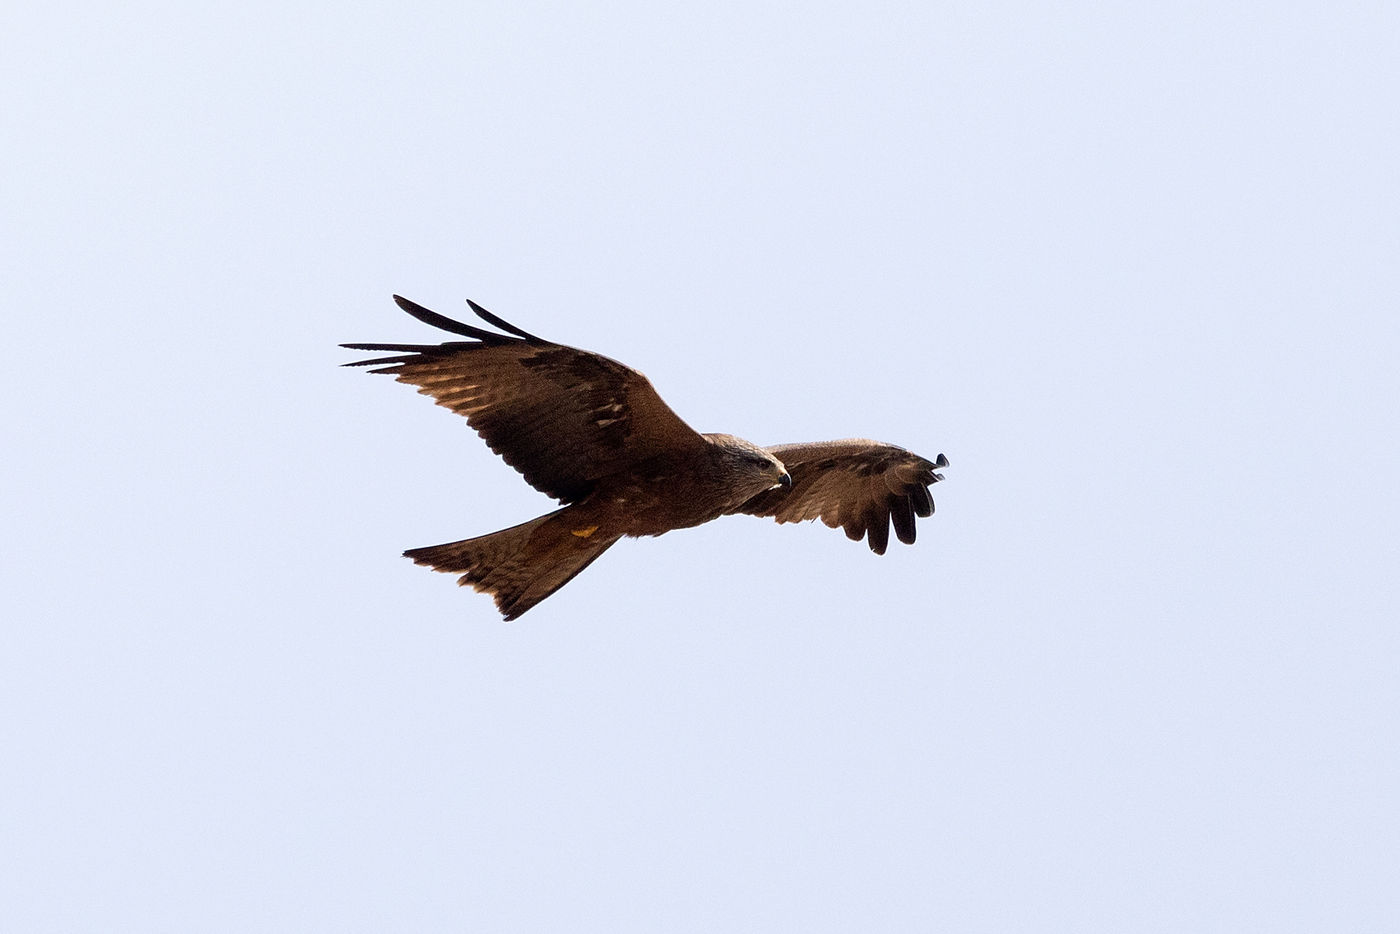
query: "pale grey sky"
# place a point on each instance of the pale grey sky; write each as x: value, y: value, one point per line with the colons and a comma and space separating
x: 1133, y: 269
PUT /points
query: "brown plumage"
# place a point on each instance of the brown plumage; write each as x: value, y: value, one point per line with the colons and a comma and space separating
x: 593, y: 434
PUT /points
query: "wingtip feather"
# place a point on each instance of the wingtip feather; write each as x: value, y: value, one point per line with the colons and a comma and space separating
x: 433, y: 319
x: 497, y: 321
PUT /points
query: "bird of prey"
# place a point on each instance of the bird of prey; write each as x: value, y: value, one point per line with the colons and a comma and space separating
x: 594, y: 435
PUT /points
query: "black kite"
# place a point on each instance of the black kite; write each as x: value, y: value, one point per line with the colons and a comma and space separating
x: 593, y: 434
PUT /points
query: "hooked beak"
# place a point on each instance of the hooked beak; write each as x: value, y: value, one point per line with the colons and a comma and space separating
x: 785, y: 481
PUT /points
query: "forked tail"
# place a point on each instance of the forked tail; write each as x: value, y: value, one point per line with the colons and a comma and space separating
x: 522, y: 565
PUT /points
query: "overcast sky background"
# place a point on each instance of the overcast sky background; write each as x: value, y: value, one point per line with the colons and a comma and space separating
x: 1132, y: 268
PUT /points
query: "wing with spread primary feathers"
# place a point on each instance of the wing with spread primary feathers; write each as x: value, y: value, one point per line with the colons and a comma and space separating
x: 857, y: 484
x: 562, y: 417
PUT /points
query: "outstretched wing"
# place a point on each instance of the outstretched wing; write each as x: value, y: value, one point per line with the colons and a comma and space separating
x: 562, y: 417
x: 857, y: 484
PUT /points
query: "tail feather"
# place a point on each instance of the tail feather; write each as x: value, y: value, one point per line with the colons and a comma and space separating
x: 522, y: 565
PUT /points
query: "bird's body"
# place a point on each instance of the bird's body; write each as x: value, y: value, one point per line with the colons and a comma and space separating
x: 593, y: 434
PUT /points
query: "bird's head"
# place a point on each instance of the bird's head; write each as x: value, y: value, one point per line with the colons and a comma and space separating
x: 756, y: 469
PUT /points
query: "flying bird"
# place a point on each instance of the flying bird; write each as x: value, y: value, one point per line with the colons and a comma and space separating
x: 593, y: 434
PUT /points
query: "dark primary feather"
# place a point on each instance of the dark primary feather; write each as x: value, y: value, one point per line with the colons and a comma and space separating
x: 857, y: 484
x: 488, y: 317
x: 457, y: 327
x: 563, y: 417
